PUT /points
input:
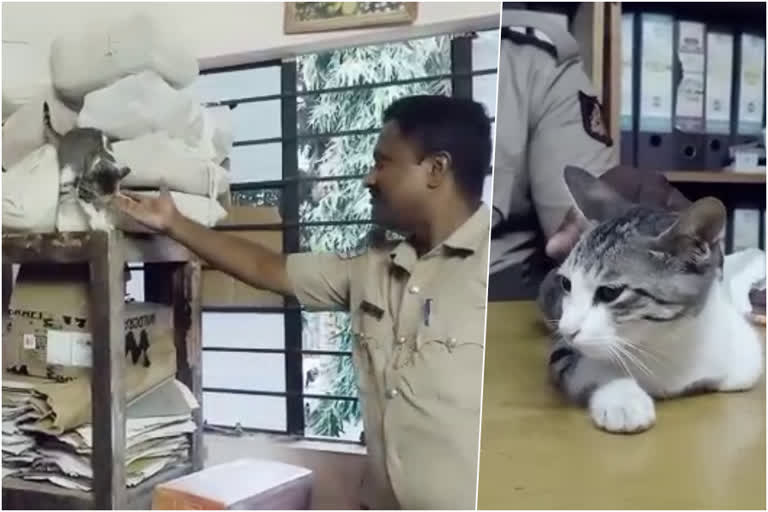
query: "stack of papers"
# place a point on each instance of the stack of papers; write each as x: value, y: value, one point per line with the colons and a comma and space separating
x: 157, y: 437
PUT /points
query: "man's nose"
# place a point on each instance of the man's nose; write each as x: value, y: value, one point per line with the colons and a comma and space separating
x: 370, y: 178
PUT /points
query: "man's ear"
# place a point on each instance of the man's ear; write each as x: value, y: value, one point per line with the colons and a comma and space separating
x: 440, y: 164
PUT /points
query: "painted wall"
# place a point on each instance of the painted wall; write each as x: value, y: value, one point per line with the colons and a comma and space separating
x: 227, y: 32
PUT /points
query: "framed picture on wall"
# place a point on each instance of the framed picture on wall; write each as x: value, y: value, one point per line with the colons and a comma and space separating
x: 302, y: 17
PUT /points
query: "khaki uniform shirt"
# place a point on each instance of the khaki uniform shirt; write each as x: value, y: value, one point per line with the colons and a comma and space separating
x: 419, y: 373
x: 544, y: 122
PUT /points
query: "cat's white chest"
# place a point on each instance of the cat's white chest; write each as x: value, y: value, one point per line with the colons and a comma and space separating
x: 98, y: 219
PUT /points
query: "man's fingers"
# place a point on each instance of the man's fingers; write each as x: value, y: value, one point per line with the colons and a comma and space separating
x: 560, y: 244
x: 136, y: 196
x: 123, y: 202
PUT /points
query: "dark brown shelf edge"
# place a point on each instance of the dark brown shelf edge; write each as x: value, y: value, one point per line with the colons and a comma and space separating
x: 715, y: 177
x: 73, y: 247
x: 21, y: 494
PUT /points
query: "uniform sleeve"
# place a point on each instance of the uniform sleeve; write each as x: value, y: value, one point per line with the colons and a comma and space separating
x: 561, y: 133
x: 320, y: 280
x: 509, y: 178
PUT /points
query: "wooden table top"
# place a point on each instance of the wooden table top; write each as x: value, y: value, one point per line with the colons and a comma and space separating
x: 537, y: 452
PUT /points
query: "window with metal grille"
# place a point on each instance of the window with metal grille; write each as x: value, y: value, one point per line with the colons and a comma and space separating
x: 304, y: 136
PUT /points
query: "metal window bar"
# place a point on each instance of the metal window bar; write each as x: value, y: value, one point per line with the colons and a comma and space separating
x: 461, y: 76
x: 274, y: 63
x: 469, y: 73
x: 461, y: 67
x: 339, y: 353
x: 294, y: 371
x: 293, y: 225
x: 252, y: 186
x: 276, y: 184
x: 330, y: 135
x: 279, y: 394
x: 239, y: 430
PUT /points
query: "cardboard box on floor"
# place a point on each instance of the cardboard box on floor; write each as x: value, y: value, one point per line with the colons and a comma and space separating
x: 245, y: 484
x: 218, y: 289
x: 48, y: 334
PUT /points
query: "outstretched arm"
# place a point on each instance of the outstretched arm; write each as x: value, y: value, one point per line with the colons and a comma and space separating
x: 248, y: 261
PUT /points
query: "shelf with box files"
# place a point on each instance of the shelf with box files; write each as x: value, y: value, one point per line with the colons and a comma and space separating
x: 173, y: 278
x: 741, y: 178
x: 691, y: 81
x: 743, y: 195
x: 689, y: 84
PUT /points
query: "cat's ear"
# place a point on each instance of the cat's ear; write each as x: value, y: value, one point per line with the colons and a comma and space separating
x: 703, y: 221
x: 698, y: 229
x: 597, y: 200
x: 125, y: 171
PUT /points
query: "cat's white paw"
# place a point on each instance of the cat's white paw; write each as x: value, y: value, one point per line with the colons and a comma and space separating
x: 621, y: 406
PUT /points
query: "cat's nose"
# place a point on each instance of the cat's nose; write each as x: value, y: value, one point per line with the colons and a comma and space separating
x: 570, y: 334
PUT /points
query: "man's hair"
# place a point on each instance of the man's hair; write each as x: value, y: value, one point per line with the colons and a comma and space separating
x: 457, y: 126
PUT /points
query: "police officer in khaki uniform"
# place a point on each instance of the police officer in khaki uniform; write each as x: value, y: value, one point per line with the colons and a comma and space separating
x: 417, y: 306
x: 548, y: 117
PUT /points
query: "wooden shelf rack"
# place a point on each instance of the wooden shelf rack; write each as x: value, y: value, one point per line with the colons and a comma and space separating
x: 172, y: 276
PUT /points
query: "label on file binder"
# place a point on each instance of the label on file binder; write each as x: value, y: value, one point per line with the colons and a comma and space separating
x: 719, y: 83
x: 689, y: 109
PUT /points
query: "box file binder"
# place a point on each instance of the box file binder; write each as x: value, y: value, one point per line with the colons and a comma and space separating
x: 688, y: 135
x: 718, y: 94
x: 627, y: 118
x: 655, y: 145
x: 750, y: 88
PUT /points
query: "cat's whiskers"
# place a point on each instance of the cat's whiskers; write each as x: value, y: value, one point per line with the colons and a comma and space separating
x: 634, y: 359
x: 617, y: 347
x: 658, y: 358
x: 616, y: 356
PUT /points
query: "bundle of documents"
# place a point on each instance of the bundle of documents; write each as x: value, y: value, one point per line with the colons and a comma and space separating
x: 157, y: 428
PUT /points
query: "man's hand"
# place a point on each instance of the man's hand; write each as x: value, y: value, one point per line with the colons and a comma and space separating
x: 566, y: 236
x: 157, y: 213
x: 247, y: 261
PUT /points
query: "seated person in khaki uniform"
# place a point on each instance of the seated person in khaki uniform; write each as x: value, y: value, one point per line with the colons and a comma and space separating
x: 548, y: 117
x: 418, y: 306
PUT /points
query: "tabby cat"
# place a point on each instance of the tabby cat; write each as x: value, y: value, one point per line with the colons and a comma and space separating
x: 88, y: 170
x: 640, y: 312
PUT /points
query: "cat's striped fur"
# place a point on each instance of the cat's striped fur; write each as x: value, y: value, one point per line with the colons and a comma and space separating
x: 89, y: 173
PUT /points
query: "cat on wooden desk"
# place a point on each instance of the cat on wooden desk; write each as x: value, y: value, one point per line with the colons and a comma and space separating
x: 640, y: 312
x: 88, y: 170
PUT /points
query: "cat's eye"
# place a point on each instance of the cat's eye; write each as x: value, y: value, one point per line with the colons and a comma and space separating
x: 608, y: 293
x: 565, y: 283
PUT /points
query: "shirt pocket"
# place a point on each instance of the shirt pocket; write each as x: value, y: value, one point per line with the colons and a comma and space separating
x: 372, y: 330
x: 448, y: 363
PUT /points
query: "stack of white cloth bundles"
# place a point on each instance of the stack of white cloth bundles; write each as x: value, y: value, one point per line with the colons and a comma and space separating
x: 157, y: 428
x: 133, y: 82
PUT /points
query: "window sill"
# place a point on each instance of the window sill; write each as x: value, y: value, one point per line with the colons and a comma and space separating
x: 322, y: 446
x: 295, y: 443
